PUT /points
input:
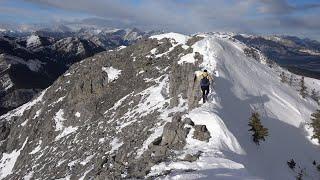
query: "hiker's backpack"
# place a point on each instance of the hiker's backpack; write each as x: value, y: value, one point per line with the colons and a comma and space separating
x: 205, y: 81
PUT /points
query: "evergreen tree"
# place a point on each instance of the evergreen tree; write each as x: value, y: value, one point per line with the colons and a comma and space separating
x: 314, y: 163
x: 291, y: 164
x: 259, y: 132
x: 291, y: 80
x: 283, y: 77
x: 315, y: 123
x: 315, y: 95
x: 318, y: 167
x: 303, y: 90
x: 300, y: 175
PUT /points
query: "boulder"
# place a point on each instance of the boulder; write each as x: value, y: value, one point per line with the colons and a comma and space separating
x: 201, y: 133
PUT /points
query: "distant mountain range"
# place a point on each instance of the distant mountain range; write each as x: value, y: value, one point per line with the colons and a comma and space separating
x: 32, y: 60
x: 301, y: 56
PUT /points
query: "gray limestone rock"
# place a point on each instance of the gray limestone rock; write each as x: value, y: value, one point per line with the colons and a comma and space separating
x: 188, y: 121
x: 87, y: 124
x: 201, y: 133
x: 192, y: 157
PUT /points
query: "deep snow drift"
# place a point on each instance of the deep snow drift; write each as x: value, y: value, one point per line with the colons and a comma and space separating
x: 243, y: 85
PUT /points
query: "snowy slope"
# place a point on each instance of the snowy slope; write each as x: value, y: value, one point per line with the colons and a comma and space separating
x: 243, y: 86
x: 110, y: 116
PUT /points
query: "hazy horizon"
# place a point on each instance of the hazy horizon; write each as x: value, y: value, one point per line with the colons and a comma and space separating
x: 259, y: 17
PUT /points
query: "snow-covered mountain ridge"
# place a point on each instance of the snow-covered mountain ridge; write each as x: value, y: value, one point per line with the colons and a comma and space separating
x: 135, y: 113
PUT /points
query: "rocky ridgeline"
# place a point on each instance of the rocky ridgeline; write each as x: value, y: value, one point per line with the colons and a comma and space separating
x: 102, y: 117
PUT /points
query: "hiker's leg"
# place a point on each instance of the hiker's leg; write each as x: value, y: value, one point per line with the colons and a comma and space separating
x: 208, y: 90
x: 203, y: 94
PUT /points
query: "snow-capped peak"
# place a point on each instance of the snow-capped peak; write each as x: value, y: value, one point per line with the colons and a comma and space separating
x: 179, y: 38
x: 33, y: 41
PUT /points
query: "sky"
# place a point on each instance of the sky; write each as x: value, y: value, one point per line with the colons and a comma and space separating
x: 285, y: 17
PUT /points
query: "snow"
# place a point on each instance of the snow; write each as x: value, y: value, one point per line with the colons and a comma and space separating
x: 66, y: 131
x: 20, y: 110
x: 178, y: 38
x: 37, y: 114
x: 37, y: 149
x: 77, y: 114
x: 8, y: 161
x: 157, y: 133
x: 311, y: 52
x: 121, y: 47
x: 113, y: 73
x: 7, y: 83
x: 67, y: 74
x: 72, y: 163
x: 65, y: 178
x: 207, y: 48
x: 152, y: 100
x: 85, y: 173
x: 158, y: 129
x: 60, y: 99
x: 119, y: 102
x: 25, y: 122
x: 102, y: 140
x: 60, y: 88
x: 33, y: 41
x: 87, y: 160
x: 58, y: 118
x: 211, y: 157
x: 33, y: 64
x: 115, y: 145
x: 241, y: 87
x: 28, y: 176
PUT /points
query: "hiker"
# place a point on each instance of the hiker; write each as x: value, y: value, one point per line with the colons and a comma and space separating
x: 205, y: 79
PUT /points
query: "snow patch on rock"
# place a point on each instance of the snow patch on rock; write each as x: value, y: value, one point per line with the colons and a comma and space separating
x: 77, y: 114
x: 115, y: 144
x: 20, y: 110
x: 66, y: 131
x: 36, y: 149
x: 8, y: 161
x: 113, y: 73
x: 59, y: 119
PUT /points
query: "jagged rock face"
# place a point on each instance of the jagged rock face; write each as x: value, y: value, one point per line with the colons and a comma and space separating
x: 70, y: 50
x: 97, y: 119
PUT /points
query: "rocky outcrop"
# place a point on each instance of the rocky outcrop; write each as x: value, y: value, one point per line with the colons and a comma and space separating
x: 174, y: 134
x: 201, y: 133
x: 104, y: 116
x: 192, y: 157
